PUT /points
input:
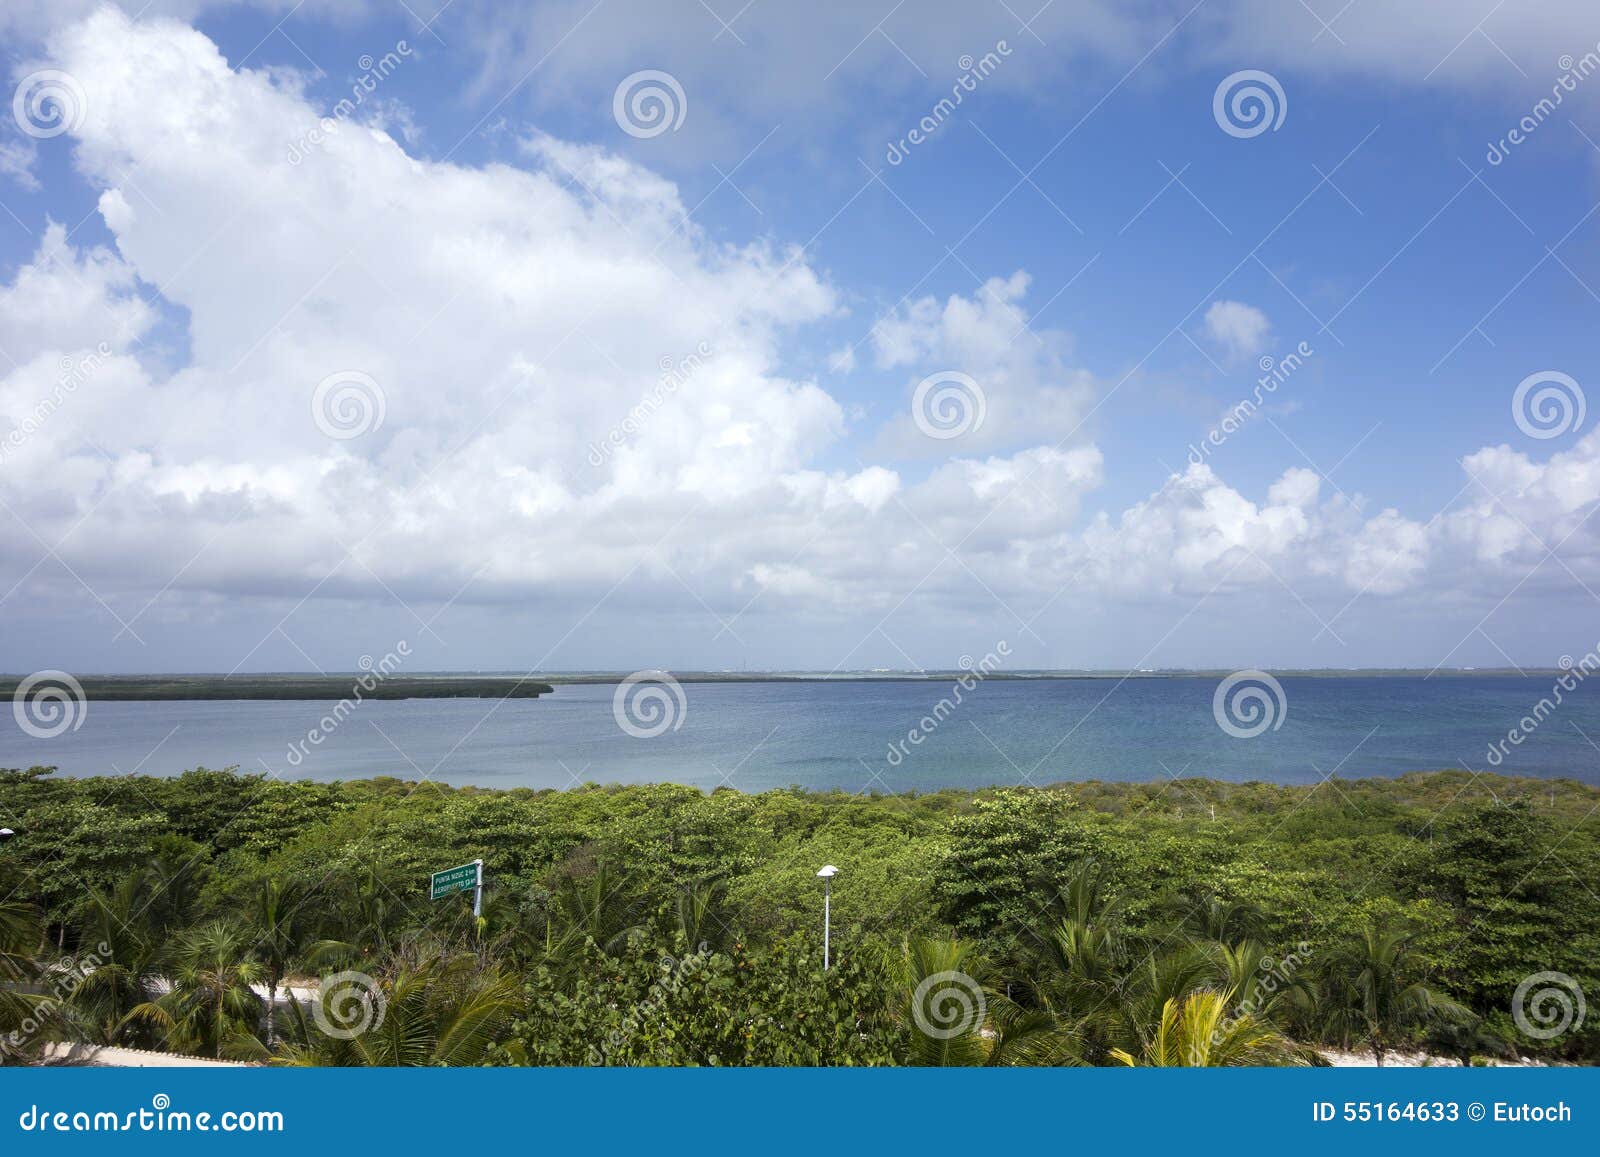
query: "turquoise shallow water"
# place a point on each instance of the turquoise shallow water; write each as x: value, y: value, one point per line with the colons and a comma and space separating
x: 754, y: 736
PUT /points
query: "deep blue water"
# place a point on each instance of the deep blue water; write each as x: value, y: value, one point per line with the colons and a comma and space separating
x: 754, y: 736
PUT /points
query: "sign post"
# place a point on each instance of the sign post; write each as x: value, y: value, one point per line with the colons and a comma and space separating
x: 459, y: 879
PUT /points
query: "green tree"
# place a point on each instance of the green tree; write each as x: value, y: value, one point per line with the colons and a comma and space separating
x: 943, y: 1005
x: 73, y: 846
x: 129, y: 972
x: 1369, y: 993
x: 1009, y: 858
x: 284, y: 923
x: 433, y: 1010
x: 211, y: 1005
x: 1491, y: 865
x: 25, y: 1018
x: 658, y: 1004
x: 1199, y: 1031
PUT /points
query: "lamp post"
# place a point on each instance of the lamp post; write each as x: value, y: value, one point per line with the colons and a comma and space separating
x: 827, y: 874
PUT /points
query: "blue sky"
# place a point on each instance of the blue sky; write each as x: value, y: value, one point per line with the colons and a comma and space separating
x: 1084, y: 191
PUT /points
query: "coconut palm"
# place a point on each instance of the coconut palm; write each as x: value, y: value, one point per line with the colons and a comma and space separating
x: 1085, y: 896
x: 1272, y: 987
x: 21, y: 934
x: 211, y: 1004
x: 1113, y: 995
x: 282, y: 921
x: 128, y: 973
x: 1136, y: 1015
x: 24, y: 1017
x: 595, y: 905
x: 1225, y: 921
x: 1073, y: 968
x: 1075, y: 974
x: 171, y: 886
x: 1368, y: 994
x: 943, y: 1003
x: 701, y: 918
x: 368, y: 921
x: 1201, y: 1030
x: 441, y: 1010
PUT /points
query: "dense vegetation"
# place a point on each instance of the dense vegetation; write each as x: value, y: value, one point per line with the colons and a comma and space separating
x: 1186, y: 922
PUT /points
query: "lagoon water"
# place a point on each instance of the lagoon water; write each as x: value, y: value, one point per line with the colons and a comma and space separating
x: 822, y: 735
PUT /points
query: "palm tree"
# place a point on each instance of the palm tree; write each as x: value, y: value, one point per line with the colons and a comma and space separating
x: 701, y: 919
x: 438, y: 1010
x: 172, y: 882
x: 23, y: 1016
x: 1198, y: 1032
x: 1083, y: 972
x: 1076, y: 976
x: 1075, y: 969
x: 21, y: 934
x: 1225, y: 921
x: 943, y: 1003
x: 500, y: 932
x: 128, y: 973
x: 211, y: 1004
x: 1138, y: 1013
x: 596, y: 905
x: 367, y: 924
x: 1368, y: 994
x: 281, y: 918
x: 1271, y: 988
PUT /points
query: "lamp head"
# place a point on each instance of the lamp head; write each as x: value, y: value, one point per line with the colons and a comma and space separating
x: 828, y: 872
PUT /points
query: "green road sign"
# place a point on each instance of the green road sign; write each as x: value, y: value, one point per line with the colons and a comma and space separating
x: 462, y: 879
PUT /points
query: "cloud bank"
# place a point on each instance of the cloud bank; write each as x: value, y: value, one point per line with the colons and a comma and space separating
x: 398, y: 371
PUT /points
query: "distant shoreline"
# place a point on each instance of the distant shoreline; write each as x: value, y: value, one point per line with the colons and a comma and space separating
x: 358, y: 685
x: 1094, y: 785
x: 511, y: 685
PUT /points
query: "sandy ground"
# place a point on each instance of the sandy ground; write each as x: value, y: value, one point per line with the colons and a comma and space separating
x: 105, y: 1057
x: 1363, y: 1060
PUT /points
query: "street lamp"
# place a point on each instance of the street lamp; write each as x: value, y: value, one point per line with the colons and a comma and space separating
x: 6, y: 834
x: 827, y: 874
